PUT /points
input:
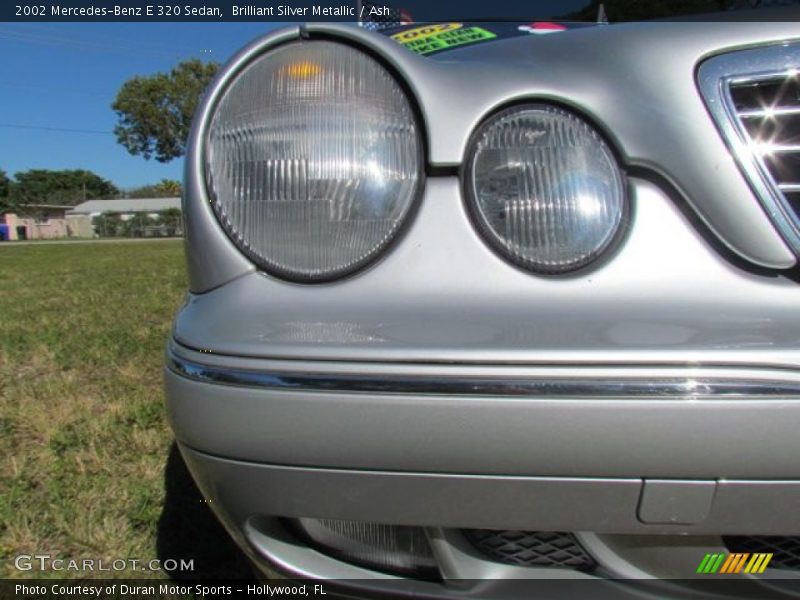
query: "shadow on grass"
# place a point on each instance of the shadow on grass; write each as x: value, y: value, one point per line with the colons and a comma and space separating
x: 188, y: 530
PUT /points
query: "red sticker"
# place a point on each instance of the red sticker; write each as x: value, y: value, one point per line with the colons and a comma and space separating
x: 542, y: 27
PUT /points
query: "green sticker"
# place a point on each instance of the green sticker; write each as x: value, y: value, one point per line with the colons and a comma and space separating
x: 449, y: 39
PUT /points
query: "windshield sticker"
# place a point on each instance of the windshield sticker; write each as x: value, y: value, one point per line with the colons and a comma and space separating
x: 443, y: 40
x: 542, y: 28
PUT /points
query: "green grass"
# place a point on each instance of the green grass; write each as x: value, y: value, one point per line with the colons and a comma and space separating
x: 83, y: 434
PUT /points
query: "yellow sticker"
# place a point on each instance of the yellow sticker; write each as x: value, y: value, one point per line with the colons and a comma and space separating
x: 418, y: 33
x: 448, y: 39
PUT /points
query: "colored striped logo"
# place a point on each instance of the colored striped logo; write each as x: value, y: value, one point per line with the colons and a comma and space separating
x: 734, y: 563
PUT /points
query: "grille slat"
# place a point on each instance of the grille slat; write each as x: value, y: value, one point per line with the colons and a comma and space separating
x: 782, y: 91
x: 770, y: 148
x: 531, y: 548
x: 762, y: 113
x: 776, y: 133
x: 769, y: 114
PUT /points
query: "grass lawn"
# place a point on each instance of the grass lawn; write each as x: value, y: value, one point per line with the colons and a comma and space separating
x: 84, y: 441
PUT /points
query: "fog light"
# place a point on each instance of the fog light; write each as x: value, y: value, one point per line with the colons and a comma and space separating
x: 398, y: 550
x: 544, y: 189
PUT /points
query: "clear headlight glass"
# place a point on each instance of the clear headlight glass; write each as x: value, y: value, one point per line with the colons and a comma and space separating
x: 544, y: 188
x: 313, y: 160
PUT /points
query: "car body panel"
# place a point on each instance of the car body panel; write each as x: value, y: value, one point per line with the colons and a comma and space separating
x: 440, y: 294
x: 496, y: 502
x: 686, y: 435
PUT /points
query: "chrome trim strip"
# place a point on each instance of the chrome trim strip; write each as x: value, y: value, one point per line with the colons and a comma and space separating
x: 715, y: 77
x: 707, y: 388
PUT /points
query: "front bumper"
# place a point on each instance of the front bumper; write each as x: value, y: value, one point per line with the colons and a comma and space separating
x: 601, y: 449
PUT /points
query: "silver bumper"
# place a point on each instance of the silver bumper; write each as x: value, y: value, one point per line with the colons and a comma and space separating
x: 705, y: 450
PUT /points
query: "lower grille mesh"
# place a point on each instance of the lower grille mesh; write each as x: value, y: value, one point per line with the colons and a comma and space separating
x: 786, y: 550
x: 531, y: 548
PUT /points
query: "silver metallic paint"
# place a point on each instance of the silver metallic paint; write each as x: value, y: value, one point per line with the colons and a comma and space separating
x: 249, y: 490
x: 441, y: 294
x: 553, y: 436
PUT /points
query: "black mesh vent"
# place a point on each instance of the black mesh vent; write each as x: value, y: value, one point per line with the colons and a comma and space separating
x: 531, y: 548
x: 786, y: 550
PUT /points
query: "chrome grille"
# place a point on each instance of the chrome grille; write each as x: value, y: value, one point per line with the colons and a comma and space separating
x: 754, y: 96
x: 769, y: 111
x: 531, y: 548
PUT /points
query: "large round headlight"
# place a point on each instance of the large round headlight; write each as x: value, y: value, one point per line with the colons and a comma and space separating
x: 313, y: 160
x: 544, y: 189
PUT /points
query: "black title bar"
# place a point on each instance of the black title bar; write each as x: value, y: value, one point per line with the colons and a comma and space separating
x: 369, y: 10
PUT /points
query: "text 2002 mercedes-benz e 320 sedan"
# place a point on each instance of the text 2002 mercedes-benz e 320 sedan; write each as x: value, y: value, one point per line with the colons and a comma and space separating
x: 471, y: 306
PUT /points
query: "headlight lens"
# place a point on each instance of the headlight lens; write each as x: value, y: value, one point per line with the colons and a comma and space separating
x: 313, y: 160
x: 544, y: 189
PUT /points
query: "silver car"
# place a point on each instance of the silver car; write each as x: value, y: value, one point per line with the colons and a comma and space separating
x: 468, y: 307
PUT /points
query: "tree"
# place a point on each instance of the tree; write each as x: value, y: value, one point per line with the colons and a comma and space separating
x: 42, y: 186
x: 5, y: 184
x: 169, y: 188
x: 166, y: 188
x: 155, y: 112
x: 641, y: 10
x: 173, y: 221
x: 107, y: 224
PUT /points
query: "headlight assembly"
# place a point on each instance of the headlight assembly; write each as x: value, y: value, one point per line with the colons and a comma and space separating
x: 544, y: 189
x: 313, y: 160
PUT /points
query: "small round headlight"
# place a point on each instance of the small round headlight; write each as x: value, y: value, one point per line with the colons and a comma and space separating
x: 544, y: 188
x: 313, y: 160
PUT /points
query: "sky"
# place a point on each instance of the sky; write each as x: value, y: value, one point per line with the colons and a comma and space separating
x: 64, y: 76
x: 59, y: 80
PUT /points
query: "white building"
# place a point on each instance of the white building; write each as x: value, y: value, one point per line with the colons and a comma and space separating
x: 125, y: 207
x: 141, y: 212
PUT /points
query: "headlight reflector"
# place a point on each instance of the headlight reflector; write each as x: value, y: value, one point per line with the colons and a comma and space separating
x: 313, y: 160
x: 544, y: 188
